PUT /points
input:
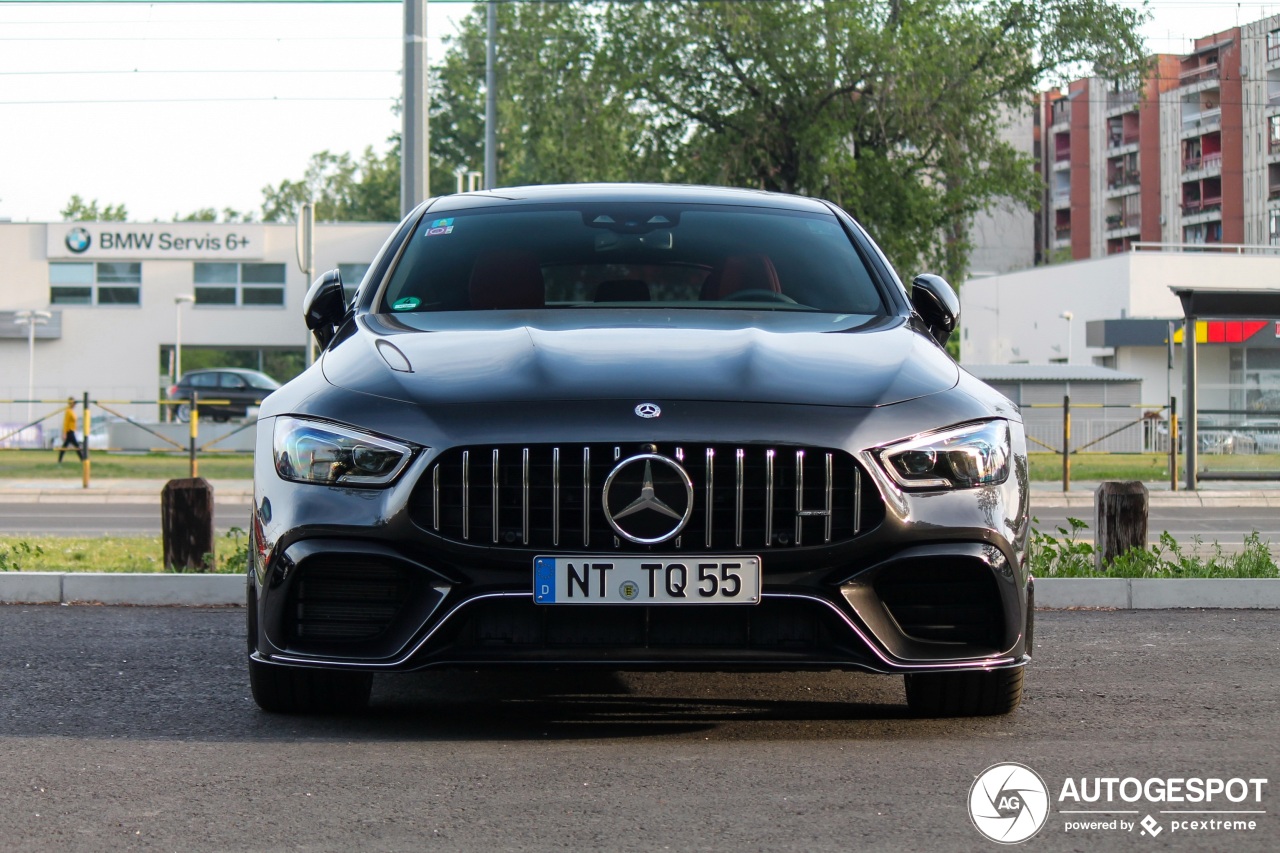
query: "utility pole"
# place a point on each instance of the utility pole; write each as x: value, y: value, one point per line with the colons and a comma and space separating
x: 31, y: 319
x: 491, y: 102
x: 415, y: 139
x: 305, y: 252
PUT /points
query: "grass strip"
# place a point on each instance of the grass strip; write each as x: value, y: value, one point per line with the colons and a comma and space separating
x: 43, y: 465
x: 110, y: 554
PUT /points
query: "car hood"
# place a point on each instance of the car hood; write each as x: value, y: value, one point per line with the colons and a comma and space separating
x: 640, y: 355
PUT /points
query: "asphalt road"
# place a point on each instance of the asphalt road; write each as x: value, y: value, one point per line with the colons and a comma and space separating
x: 109, y: 519
x: 132, y: 729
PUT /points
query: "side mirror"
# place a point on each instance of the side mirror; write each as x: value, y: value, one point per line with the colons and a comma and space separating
x: 324, y: 307
x: 937, y: 304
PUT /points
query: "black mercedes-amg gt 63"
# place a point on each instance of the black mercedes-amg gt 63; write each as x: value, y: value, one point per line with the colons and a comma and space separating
x: 637, y: 427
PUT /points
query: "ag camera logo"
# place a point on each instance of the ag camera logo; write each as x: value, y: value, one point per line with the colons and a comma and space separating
x: 78, y: 240
x: 1008, y: 803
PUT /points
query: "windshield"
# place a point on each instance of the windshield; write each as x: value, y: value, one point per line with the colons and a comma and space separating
x: 636, y: 255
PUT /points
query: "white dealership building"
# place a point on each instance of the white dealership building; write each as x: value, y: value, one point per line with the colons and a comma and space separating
x: 118, y: 294
x: 1115, y: 312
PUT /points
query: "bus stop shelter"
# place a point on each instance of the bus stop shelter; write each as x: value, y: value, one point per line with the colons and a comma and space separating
x: 1217, y: 303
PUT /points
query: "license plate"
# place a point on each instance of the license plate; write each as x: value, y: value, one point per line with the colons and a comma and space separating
x: 646, y: 580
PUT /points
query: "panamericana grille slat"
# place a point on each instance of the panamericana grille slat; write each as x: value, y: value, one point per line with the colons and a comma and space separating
x: 541, y: 497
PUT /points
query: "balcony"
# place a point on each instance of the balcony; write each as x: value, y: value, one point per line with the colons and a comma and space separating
x: 1196, y: 75
x: 1119, y: 222
x: 1204, y: 118
x: 1121, y: 100
x: 1116, y: 140
x: 1123, y: 179
x: 1204, y: 161
x: 1273, y: 192
x: 1062, y: 234
x: 1209, y: 208
x: 1273, y: 51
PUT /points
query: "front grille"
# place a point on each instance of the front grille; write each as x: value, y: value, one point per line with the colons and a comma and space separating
x: 543, y: 497
x: 944, y: 600
x: 773, y: 625
x: 345, y: 598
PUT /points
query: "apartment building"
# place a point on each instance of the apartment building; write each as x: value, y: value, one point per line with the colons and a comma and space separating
x: 1191, y: 157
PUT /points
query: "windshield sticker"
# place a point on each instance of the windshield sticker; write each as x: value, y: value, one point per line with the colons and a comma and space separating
x: 439, y: 226
x: 408, y: 303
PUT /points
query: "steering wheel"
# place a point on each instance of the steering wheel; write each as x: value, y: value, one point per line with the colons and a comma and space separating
x: 758, y: 295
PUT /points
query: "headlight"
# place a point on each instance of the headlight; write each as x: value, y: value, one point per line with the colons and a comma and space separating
x: 957, y: 458
x: 331, y: 455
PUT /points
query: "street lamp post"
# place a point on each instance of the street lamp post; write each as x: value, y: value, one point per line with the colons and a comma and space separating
x: 1068, y: 316
x: 177, y: 337
x: 31, y: 319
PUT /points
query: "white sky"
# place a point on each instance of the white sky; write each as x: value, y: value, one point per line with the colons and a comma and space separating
x: 167, y: 108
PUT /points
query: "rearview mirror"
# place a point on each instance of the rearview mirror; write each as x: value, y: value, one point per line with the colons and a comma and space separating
x: 324, y: 307
x: 937, y: 304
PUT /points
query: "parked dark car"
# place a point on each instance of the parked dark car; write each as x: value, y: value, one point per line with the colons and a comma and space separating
x: 242, y: 388
x: 637, y: 427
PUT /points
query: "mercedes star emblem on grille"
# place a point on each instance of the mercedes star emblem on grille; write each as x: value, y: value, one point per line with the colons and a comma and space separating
x: 664, y: 504
x: 648, y: 410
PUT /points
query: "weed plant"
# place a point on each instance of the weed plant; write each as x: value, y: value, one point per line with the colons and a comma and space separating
x: 1066, y: 556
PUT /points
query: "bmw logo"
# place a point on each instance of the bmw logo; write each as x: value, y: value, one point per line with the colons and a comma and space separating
x: 78, y: 240
x: 648, y: 410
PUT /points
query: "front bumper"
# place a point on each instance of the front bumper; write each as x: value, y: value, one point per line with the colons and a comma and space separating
x: 365, y: 603
x: 368, y: 579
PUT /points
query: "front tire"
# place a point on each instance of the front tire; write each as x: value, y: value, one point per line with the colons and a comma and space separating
x: 964, y: 694
x: 183, y: 412
x: 291, y: 690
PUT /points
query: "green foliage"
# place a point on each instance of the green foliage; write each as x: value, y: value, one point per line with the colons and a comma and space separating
x: 280, y: 365
x: 79, y: 210
x: 13, y: 555
x: 235, y: 553
x: 893, y: 110
x: 208, y: 214
x: 342, y: 188
x: 1068, y: 557
x: 234, y: 559
x: 566, y: 112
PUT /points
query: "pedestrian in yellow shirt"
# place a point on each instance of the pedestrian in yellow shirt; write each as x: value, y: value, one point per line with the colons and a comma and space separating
x: 69, y: 431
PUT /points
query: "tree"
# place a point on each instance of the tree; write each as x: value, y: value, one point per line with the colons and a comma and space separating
x: 564, y: 111
x: 208, y: 214
x: 342, y: 188
x: 891, y: 109
x: 78, y: 210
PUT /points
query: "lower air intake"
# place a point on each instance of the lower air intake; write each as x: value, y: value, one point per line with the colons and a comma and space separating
x: 346, y: 599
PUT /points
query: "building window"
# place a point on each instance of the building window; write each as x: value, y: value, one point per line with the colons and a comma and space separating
x: 1273, y: 227
x: 352, y: 275
x: 104, y: 283
x: 245, y: 285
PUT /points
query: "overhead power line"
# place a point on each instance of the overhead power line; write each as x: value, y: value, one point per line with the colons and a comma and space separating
x: 191, y: 100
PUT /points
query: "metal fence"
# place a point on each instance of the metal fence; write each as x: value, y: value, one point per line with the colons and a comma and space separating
x: 32, y: 434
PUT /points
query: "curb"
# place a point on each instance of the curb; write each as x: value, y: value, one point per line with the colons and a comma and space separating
x: 1158, y: 593
x: 1085, y: 500
x: 1051, y: 593
x: 137, y: 589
